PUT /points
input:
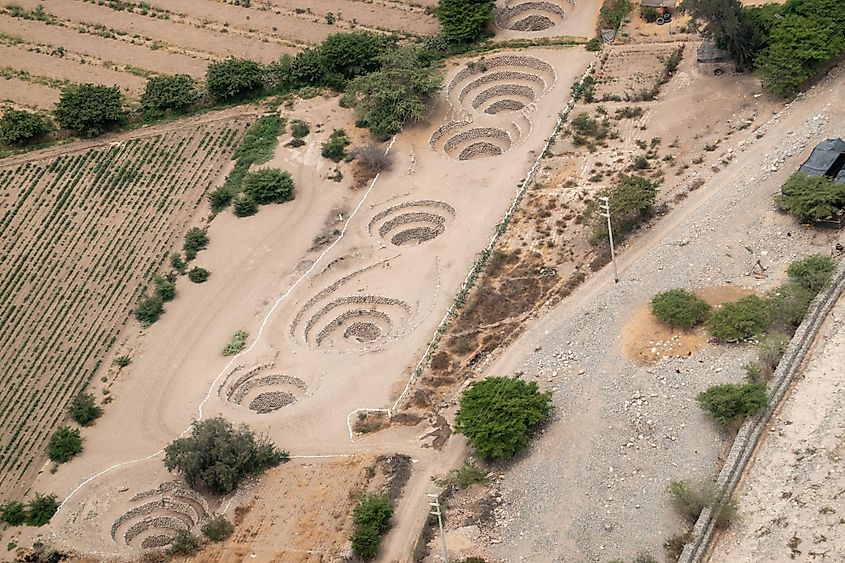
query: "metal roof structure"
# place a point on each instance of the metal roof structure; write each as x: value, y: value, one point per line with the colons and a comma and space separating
x: 827, y: 159
x: 708, y: 52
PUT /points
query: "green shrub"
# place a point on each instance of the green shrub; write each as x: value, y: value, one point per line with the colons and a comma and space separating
x: 811, y: 198
x: 787, y: 306
x: 343, y: 56
x: 195, y: 240
x: 19, y: 126
x: 218, y: 528
x: 613, y: 13
x: 679, y: 308
x: 335, y: 147
x: 198, y: 275
x: 648, y: 14
x: 12, y: 513
x: 184, y: 543
x: 88, y: 109
x: 149, y: 310
x: 631, y: 202
x: 594, y: 44
x: 370, y: 519
x: 244, y: 206
x: 165, y: 288
x: 169, y: 92
x: 268, y: 185
x: 219, y: 456
x: 813, y: 272
x: 122, y: 361
x: 236, y: 344
x: 689, y: 501
x: 467, y: 475
x: 740, y: 319
x: 177, y: 263
x: 498, y: 413
x: 729, y: 401
x: 83, y: 410
x: 64, y: 443
x: 233, y: 78
x: 299, y: 129
x: 41, y: 509
x: 464, y: 21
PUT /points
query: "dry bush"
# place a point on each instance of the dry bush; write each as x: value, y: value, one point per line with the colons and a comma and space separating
x: 372, y: 158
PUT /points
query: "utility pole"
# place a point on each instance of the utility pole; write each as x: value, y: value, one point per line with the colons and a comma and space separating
x: 605, y: 205
x: 435, y: 511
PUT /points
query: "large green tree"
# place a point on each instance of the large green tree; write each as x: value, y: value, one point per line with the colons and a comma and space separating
x: 498, y: 413
x: 20, y: 126
x: 400, y: 91
x: 166, y: 92
x: 343, y: 56
x: 268, y: 185
x: 64, y: 443
x: 89, y: 109
x: 219, y: 455
x: 464, y: 21
x: 233, y: 78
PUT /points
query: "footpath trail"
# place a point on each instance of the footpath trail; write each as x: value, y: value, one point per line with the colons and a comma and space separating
x: 593, y: 486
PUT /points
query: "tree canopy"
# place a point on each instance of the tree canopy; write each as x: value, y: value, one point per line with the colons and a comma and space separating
x: 268, y: 185
x: 64, y: 443
x: 20, y: 126
x: 399, y: 92
x: 343, y: 56
x: 464, y: 21
x: 166, y: 92
x: 498, y: 413
x: 84, y: 410
x: 89, y: 109
x: 233, y: 78
x: 219, y: 456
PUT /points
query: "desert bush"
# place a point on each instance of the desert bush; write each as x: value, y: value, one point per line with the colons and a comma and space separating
x: 149, y: 310
x: 19, y: 126
x: 89, y: 109
x: 690, y: 500
x: 165, y: 288
x: 813, y: 272
x: 594, y: 44
x: 83, y: 410
x: 299, y: 129
x: 372, y: 158
x: 811, y: 198
x: 198, y: 275
x: 195, y: 240
x: 41, y: 509
x: 220, y: 456
x: 244, y: 206
x: 631, y: 202
x: 236, y: 344
x: 177, y: 263
x: 12, y: 513
x: 64, y: 443
x: 335, y: 147
x: 679, y: 308
x: 399, y: 92
x: 641, y: 162
x: 168, y: 92
x: 183, y: 543
x: 233, y: 78
x: 787, y: 306
x: 613, y: 12
x: 218, y: 528
x: 729, y: 401
x: 648, y: 14
x: 629, y: 112
x: 464, y: 21
x: 306, y: 68
x: 268, y: 185
x: 370, y: 519
x: 675, y: 544
x: 122, y: 361
x: 740, y: 319
x: 497, y: 415
x: 467, y: 475
x: 770, y: 350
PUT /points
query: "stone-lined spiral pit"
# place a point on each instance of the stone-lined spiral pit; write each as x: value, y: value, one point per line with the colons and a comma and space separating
x: 466, y: 143
x: 154, y: 523
x: 530, y: 16
x: 261, y: 390
x: 486, y: 81
x: 412, y: 222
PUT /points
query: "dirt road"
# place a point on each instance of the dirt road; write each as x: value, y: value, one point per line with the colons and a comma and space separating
x: 593, y: 487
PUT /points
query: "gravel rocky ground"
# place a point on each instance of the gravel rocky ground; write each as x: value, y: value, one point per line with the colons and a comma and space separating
x: 593, y: 486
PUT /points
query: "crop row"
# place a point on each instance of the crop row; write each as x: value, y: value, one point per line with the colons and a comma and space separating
x: 80, y: 235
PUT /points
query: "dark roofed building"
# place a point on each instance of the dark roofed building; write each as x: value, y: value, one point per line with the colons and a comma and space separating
x: 708, y: 52
x: 827, y: 159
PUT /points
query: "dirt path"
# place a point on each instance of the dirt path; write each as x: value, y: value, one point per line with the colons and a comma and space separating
x: 790, y: 498
x: 624, y: 432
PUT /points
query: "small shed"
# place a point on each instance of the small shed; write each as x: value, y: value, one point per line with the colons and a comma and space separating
x: 827, y: 159
x: 708, y: 52
x: 658, y: 3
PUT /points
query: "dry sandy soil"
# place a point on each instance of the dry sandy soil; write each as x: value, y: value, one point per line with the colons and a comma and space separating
x: 82, y: 41
x: 338, y: 327
x: 790, y: 498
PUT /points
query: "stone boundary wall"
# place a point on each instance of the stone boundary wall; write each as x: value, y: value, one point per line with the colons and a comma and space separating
x: 751, y: 430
